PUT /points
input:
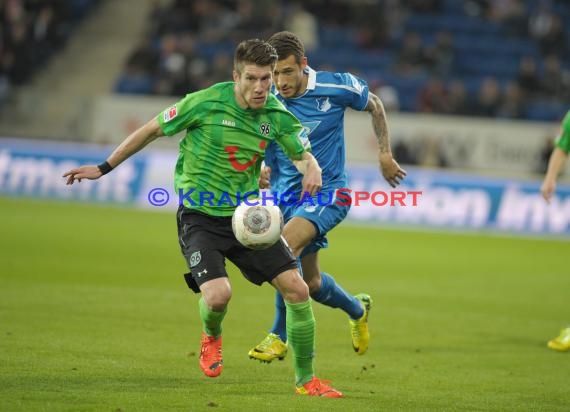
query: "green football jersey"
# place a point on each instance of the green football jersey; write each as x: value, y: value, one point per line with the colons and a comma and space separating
x: 220, y: 156
x: 563, y: 139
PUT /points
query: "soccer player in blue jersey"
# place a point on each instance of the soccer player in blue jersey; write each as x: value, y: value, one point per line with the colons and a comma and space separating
x: 319, y: 100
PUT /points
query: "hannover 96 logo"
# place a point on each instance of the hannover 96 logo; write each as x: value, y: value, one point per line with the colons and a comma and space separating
x: 264, y: 128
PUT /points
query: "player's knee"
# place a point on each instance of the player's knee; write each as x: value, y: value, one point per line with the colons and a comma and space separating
x: 294, y: 289
x: 218, y: 302
x: 297, y: 295
x: 217, y: 298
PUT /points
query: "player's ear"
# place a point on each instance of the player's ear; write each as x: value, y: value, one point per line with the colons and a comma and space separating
x: 304, y: 62
x: 236, y: 76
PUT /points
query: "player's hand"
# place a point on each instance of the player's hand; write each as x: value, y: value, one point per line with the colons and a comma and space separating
x: 90, y: 172
x: 547, y: 189
x: 390, y: 169
x: 312, y: 180
x: 264, y: 178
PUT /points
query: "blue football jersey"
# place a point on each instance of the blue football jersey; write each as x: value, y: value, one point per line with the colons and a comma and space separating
x: 321, y: 111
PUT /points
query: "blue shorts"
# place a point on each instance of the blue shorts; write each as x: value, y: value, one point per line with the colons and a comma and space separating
x: 323, y: 211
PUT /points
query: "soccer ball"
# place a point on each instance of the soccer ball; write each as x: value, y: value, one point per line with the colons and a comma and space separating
x: 257, y: 227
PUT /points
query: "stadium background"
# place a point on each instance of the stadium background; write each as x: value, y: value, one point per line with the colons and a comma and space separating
x: 474, y: 91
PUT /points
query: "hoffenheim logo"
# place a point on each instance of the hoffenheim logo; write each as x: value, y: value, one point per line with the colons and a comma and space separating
x: 324, y: 104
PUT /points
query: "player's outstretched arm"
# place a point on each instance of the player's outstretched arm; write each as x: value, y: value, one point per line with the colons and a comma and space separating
x: 132, y: 144
x: 390, y: 169
x: 555, y: 164
x: 311, y: 171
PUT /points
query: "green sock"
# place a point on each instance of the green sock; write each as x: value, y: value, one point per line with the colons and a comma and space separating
x: 301, y: 337
x: 212, y: 321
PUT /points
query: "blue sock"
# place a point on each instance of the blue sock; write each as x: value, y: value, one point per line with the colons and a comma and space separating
x: 331, y: 294
x: 279, y: 323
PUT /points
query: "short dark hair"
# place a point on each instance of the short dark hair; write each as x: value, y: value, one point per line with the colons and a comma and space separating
x: 254, y: 51
x: 287, y: 44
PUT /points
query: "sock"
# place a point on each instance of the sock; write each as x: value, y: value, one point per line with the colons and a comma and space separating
x: 331, y: 294
x: 280, y: 321
x: 301, y: 331
x: 211, y: 321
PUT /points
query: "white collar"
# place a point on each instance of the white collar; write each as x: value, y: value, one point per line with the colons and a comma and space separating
x: 312, y: 81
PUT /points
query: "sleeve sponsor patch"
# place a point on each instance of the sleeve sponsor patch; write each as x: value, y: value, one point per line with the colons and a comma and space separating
x: 356, y: 84
x: 170, y: 113
x: 304, y: 138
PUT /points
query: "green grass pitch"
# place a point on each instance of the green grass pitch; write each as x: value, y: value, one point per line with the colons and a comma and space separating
x: 95, y: 316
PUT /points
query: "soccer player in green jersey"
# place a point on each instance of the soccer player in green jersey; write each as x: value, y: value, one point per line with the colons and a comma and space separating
x: 555, y: 165
x: 227, y: 129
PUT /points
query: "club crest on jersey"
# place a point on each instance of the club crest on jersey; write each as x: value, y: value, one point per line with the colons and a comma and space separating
x: 264, y: 129
x: 170, y: 113
x: 324, y: 104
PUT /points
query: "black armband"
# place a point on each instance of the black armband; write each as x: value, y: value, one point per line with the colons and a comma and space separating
x: 105, y: 167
